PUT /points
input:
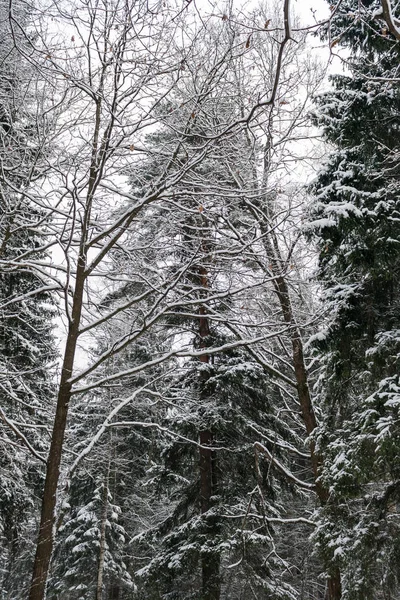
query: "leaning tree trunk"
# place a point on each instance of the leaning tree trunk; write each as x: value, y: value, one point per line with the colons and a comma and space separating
x: 44, y: 547
x: 276, y: 265
x: 334, y: 591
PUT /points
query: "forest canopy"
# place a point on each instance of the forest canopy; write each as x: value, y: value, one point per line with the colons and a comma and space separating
x: 199, y: 300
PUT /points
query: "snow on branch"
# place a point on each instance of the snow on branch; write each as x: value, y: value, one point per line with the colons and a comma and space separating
x: 21, y: 436
x: 108, y: 423
x: 104, y: 426
x: 267, y: 519
x: 182, y: 354
x: 387, y: 15
x: 282, y: 468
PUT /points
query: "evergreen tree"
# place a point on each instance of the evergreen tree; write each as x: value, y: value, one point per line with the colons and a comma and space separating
x: 27, y: 345
x: 218, y: 534
x: 355, y: 223
x: 232, y: 526
x: 89, y: 556
x: 208, y: 520
x: 202, y: 498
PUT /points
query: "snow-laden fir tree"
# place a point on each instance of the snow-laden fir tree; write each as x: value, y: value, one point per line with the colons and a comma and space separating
x: 89, y: 559
x: 200, y: 520
x: 27, y: 346
x: 217, y: 538
x: 356, y: 225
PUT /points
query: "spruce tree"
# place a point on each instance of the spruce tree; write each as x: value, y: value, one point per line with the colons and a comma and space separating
x: 89, y: 555
x: 27, y: 345
x: 355, y: 223
x: 207, y: 526
x: 215, y: 540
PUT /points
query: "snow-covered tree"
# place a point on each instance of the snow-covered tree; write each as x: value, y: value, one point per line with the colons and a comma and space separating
x: 109, y: 93
x: 27, y: 343
x: 89, y: 556
x: 212, y: 292
x: 162, y: 213
x: 355, y: 222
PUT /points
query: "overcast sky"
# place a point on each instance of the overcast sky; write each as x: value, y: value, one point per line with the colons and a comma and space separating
x: 305, y: 8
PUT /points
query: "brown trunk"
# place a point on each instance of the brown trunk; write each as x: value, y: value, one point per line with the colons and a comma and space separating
x: 210, y: 567
x: 272, y: 249
x: 114, y: 592
x: 210, y: 563
x: 45, y: 541
x: 206, y: 468
x: 44, y: 547
x: 205, y: 437
x: 303, y: 391
x: 334, y: 586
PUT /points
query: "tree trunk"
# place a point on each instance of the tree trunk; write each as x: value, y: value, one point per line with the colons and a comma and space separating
x: 210, y: 568
x: 334, y: 585
x: 114, y: 592
x: 303, y: 390
x: 44, y: 547
x: 210, y: 562
x: 102, y: 550
x: 276, y: 264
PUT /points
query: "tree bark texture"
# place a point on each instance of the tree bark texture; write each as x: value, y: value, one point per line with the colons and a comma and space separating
x: 45, y: 541
x: 114, y: 592
x: 334, y: 586
x: 44, y: 548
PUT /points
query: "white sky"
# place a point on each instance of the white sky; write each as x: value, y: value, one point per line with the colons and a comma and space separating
x: 306, y: 8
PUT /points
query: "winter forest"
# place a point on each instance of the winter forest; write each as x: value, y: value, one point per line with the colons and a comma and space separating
x: 199, y: 300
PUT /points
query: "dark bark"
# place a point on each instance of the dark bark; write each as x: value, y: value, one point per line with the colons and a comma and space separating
x: 210, y: 569
x: 44, y: 547
x: 210, y: 562
x: 114, y: 592
x: 206, y: 467
x: 334, y: 586
x: 303, y: 390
